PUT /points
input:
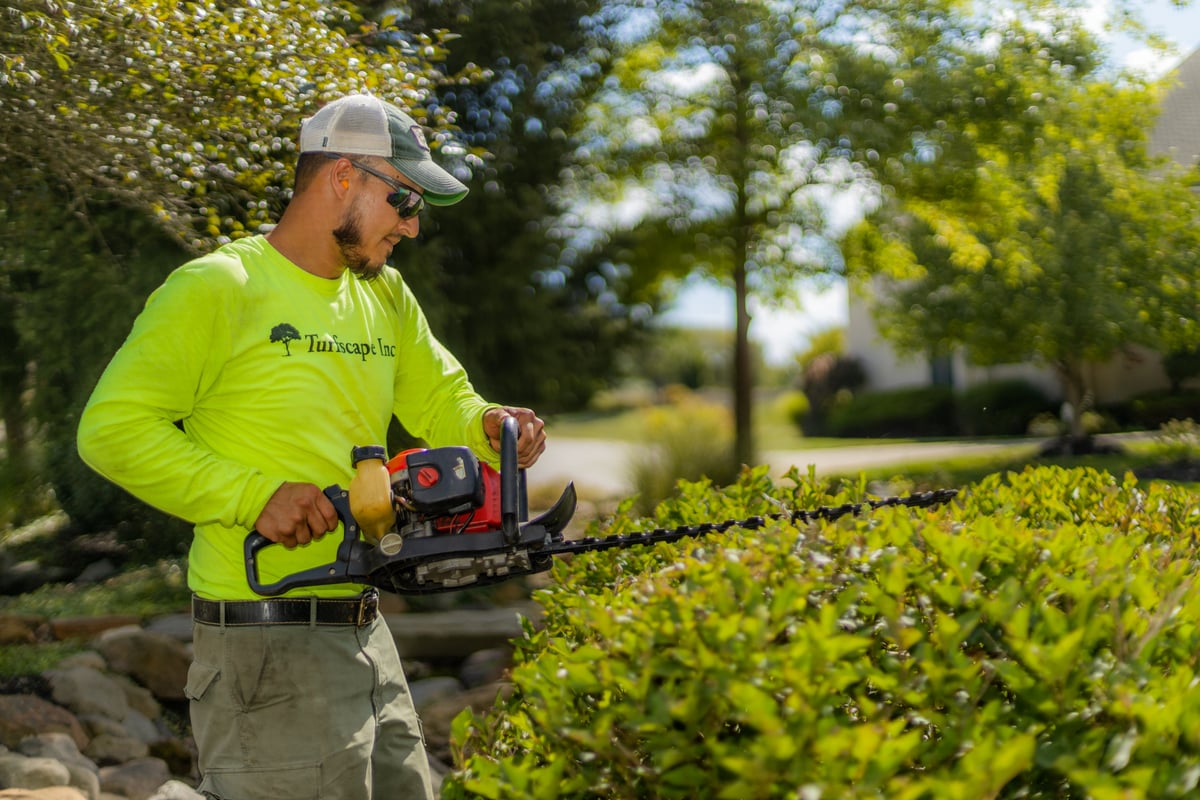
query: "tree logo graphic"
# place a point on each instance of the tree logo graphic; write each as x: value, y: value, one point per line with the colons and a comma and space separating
x: 283, y: 332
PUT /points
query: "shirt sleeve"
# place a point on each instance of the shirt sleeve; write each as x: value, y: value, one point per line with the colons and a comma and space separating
x: 434, y: 396
x: 129, y: 431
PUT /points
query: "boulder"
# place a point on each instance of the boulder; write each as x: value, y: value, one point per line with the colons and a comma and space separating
x: 51, y: 793
x: 138, y: 779
x: 157, y: 662
x: 83, y: 772
x: 23, y: 772
x: 23, y: 715
x: 85, y: 690
x: 89, y: 627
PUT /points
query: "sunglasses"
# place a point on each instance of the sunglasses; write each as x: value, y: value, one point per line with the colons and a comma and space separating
x: 407, y: 202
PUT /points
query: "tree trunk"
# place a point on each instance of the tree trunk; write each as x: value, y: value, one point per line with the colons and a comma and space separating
x: 743, y: 378
x: 1070, y: 375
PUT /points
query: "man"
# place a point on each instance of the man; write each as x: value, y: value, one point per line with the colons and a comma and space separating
x: 277, y: 354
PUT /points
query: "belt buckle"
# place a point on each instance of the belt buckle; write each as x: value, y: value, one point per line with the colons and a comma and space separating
x: 368, y: 607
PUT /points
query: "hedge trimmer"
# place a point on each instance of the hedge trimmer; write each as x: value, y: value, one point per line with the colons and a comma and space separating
x: 460, y: 524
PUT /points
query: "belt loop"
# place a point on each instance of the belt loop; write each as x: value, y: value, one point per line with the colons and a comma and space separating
x: 222, y: 620
x: 312, y: 612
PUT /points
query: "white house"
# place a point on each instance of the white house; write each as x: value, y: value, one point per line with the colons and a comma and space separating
x: 1177, y: 134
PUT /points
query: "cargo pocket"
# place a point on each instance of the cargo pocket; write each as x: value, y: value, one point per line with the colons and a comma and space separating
x: 281, y: 782
x: 200, y: 677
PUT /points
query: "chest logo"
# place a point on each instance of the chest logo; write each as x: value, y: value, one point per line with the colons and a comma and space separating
x: 285, y: 333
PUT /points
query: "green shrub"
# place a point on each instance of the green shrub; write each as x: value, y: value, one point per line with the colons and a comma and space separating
x: 1036, y: 639
x: 794, y: 407
x: 1149, y: 412
x: 923, y: 411
x: 687, y: 440
x: 1002, y: 408
x: 1178, y: 440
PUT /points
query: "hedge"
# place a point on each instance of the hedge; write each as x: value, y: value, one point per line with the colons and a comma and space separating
x: 1038, y: 638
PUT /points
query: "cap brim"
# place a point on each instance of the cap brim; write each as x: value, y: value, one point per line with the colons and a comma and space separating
x: 440, y: 188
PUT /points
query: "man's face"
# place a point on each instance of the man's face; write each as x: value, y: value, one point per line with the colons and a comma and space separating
x: 370, y: 228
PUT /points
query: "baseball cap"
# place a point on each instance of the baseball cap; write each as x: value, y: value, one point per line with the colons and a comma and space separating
x: 361, y: 124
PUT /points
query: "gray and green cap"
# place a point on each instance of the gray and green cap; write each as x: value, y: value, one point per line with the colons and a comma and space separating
x: 361, y: 124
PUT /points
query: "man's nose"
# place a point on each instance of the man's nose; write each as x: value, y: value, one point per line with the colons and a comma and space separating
x: 409, y: 228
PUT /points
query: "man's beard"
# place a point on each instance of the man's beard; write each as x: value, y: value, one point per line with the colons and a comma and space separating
x: 349, y: 239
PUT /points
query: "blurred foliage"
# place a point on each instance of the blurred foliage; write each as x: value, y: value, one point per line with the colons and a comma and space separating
x: 1034, y: 639
x: 1182, y: 366
x: 1065, y: 245
x: 157, y: 588
x: 830, y: 340
x: 689, y: 439
x: 723, y: 129
x: 830, y: 379
x: 530, y: 328
x: 1178, y: 440
x: 922, y: 411
x: 1000, y: 408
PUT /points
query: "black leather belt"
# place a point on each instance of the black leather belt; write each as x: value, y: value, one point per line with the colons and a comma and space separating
x: 356, y: 611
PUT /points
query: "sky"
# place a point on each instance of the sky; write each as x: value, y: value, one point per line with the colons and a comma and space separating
x: 784, y: 333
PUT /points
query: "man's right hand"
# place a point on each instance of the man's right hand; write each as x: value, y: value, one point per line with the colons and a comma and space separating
x: 296, y: 514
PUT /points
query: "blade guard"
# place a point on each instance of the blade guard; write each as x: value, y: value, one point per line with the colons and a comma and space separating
x: 360, y: 562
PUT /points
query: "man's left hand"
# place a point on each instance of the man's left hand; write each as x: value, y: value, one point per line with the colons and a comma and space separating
x: 531, y: 440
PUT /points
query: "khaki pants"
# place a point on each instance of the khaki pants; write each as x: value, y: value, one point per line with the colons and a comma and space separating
x: 304, y: 712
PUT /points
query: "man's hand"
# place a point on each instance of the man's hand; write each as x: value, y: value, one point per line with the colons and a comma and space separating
x: 296, y: 514
x: 531, y: 441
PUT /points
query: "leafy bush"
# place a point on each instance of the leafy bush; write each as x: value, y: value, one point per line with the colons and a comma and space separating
x: 1002, y: 408
x: 1151, y: 411
x: 1178, y: 440
x: 826, y: 377
x: 1181, y: 366
x: 1037, y: 639
x: 794, y: 407
x: 923, y: 411
x: 687, y: 440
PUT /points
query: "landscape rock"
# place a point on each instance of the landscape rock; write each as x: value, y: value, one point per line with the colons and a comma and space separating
x: 84, y: 774
x: 85, y: 690
x: 23, y: 715
x: 89, y: 627
x: 109, y: 749
x: 137, y: 779
x: 155, y: 661
x: 177, y: 627
x: 176, y: 790
x: 427, y: 690
x: 485, y: 666
x: 23, y: 772
x: 51, y: 793
x: 455, y: 634
x: 19, y: 628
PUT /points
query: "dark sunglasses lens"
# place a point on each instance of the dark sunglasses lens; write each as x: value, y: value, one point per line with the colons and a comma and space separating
x: 407, y: 204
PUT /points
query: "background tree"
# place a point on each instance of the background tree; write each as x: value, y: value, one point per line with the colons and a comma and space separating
x: 135, y: 133
x: 530, y: 328
x: 1063, y: 250
x: 728, y: 129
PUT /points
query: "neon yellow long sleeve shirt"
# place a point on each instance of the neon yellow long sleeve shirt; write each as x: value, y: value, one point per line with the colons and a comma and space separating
x: 273, y: 375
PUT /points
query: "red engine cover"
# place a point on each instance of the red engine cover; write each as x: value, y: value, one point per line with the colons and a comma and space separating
x: 481, y: 520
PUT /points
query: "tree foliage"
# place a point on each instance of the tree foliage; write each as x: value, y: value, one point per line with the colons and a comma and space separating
x: 529, y: 328
x: 725, y: 133
x: 134, y: 133
x: 1063, y: 249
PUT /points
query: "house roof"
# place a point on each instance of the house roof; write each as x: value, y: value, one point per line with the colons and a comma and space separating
x: 1177, y: 132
